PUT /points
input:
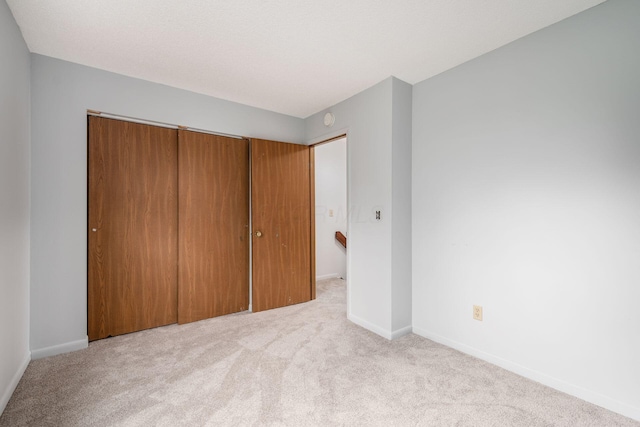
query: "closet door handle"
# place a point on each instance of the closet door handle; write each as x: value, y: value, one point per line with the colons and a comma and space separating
x: 258, y: 233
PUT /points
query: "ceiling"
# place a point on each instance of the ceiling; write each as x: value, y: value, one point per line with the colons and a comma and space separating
x: 295, y: 57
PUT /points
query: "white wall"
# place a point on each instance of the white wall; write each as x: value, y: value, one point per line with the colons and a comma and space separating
x: 331, y: 208
x: 526, y: 200
x: 61, y: 94
x: 14, y: 205
x: 367, y: 118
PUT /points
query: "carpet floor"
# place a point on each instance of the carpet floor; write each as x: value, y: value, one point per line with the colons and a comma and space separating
x: 300, y: 365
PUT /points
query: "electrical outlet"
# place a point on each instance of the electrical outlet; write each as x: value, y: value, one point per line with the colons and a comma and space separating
x: 477, y: 312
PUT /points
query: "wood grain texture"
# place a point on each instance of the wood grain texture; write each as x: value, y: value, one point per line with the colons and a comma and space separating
x: 132, y: 254
x: 280, y: 198
x: 312, y: 217
x: 213, y: 267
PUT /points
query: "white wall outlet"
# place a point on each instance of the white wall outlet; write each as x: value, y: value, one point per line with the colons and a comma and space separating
x: 477, y: 312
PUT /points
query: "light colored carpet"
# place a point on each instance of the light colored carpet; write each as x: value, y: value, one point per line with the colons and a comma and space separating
x: 299, y: 365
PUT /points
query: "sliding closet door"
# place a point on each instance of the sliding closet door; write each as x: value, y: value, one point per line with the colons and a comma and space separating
x: 132, y: 272
x: 213, y: 226
x: 281, y: 218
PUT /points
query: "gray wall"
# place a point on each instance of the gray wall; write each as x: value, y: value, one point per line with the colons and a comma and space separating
x: 368, y: 119
x: 526, y: 200
x: 14, y: 205
x: 401, y: 200
x: 61, y: 94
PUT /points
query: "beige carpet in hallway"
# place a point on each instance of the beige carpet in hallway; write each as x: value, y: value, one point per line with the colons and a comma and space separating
x: 296, y: 366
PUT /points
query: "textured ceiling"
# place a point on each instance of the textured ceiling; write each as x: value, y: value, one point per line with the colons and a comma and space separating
x: 295, y: 57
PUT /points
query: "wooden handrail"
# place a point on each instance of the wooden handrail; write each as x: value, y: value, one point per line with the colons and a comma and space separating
x: 341, y: 238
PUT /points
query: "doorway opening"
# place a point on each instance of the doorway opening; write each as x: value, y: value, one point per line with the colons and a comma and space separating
x: 331, y: 209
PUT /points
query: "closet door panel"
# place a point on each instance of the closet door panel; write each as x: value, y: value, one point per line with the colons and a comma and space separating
x: 132, y: 242
x: 281, y: 220
x: 213, y: 277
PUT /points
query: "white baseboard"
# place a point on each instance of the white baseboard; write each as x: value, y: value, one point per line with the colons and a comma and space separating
x: 370, y: 326
x: 327, y: 276
x: 8, y: 392
x: 565, y: 387
x: 390, y: 335
x: 60, y: 348
x: 401, y: 332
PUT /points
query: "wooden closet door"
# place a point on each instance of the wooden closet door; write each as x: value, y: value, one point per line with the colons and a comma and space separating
x: 132, y: 272
x: 213, y: 277
x: 281, y: 219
